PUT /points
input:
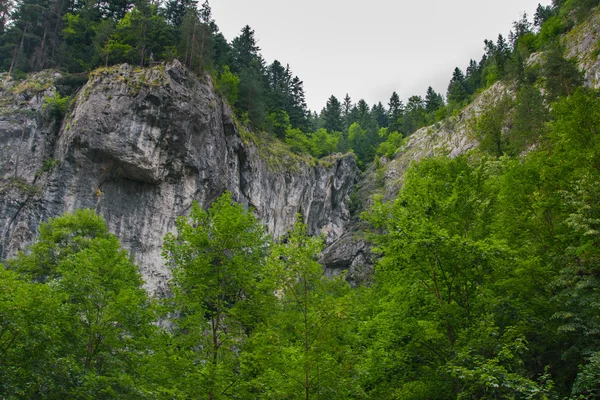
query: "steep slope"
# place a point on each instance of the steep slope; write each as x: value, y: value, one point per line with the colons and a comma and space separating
x: 139, y: 146
x: 451, y: 137
x: 582, y: 43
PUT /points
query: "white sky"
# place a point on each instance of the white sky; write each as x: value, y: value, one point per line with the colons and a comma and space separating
x: 371, y: 48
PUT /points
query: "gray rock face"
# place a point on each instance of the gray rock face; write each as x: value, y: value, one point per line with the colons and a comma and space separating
x: 349, y: 254
x: 139, y: 147
x: 582, y: 43
x: 452, y: 138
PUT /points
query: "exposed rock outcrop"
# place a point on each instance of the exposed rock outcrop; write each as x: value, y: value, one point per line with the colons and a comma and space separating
x: 451, y: 137
x: 582, y: 43
x: 139, y: 146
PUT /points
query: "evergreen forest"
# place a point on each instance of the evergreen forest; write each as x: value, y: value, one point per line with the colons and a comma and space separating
x: 487, y: 280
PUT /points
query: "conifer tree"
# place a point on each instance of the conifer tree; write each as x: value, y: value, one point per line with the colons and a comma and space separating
x: 457, y: 93
x: 395, y: 110
x: 333, y: 115
x: 175, y: 10
x: 380, y: 114
x: 472, y: 77
x: 346, y: 108
x: 246, y: 52
x: 433, y: 100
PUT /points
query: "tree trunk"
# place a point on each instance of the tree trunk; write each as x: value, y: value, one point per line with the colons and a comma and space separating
x: 17, y: 52
x: 39, y: 53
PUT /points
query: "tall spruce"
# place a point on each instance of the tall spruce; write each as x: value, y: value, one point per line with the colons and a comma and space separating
x: 333, y: 115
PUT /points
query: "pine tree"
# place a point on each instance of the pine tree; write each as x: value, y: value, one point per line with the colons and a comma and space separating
x: 380, y: 114
x: 296, y: 107
x: 433, y: 100
x: 251, y: 101
x: 395, y: 110
x: 457, y: 93
x: 520, y: 28
x: 246, y: 53
x: 175, y: 10
x: 278, y: 84
x: 333, y: 115
x: 346, y: 108
x: 248, y: 64
x: 542, y: 14
x: 414, y: 116
x: 473, y: 77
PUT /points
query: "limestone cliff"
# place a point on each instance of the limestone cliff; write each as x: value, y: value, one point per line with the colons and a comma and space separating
x: 582, y: 43
x: 451, y: 137
x: 139, y: 146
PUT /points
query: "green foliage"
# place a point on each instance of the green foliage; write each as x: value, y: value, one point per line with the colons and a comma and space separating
x: 332, y: 115
x: 27, y: 330
x: 298, y: 141
x: 550, y: 31
x: 561, y: 77
x: 56, y: 106
x: 83, y: 314
x: 58, y: 239
x: 439, y: 286
x: 393, y: 142
x: 491, y: 126
x: 487, y: 284
x: 457, y: 93
x: 303, y: 351
x: 324, y: 143
x: 278, y: 123
x: 319, y: 144
x: 220, y: 286
x: 357, y: 138
x: 228, y: 85
x: 587, y: 385
x: 529, y: 120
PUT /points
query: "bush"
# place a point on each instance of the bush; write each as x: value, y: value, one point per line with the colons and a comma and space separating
x: 228, y: 85
x: 391, y: 145
x: 551, y: 31
x: 297, y: 141
x: 56, y: 106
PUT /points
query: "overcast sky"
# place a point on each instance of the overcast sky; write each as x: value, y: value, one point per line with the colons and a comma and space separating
x: 371, y: 48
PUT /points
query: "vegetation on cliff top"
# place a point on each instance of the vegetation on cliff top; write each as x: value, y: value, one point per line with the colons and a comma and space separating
x: 78, y: 37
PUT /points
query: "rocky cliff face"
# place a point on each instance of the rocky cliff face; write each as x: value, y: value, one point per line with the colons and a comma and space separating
x: 139, y: 146
x: 451, y: 137
x: 582, y: 44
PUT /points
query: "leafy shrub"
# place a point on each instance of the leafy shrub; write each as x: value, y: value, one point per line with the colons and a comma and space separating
x: 56, y: 106
x: 228, y: 85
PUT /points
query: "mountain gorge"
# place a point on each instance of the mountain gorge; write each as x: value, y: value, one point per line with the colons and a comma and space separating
x: 175, y: 223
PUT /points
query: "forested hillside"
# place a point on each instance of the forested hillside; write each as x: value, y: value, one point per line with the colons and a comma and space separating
x: 487, y: 278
